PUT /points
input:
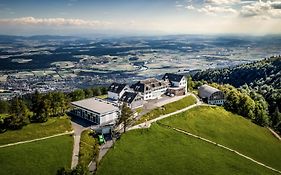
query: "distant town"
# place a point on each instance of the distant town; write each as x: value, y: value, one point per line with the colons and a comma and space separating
x: 54, y: 63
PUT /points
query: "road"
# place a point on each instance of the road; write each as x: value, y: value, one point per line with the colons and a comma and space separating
x: 78, y: 125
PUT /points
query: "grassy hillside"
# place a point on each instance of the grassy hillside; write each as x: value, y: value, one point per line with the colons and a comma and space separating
x: 168, y: 108
x: 88, y: 148
x: 42, y: 157
x: 36, y: 130
x: 230, y: 130
x: 159, y: 150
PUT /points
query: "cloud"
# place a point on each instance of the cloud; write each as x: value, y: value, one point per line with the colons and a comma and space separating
x: 179, y: 5
x: 214, y: 10
x: 262, y: 9
x: 31, y: 21
x: 218, y: 2
x: 190, y: 7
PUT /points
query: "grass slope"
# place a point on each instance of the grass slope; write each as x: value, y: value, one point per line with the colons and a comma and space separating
x: 42, y: 157
x: 88, y: 148
x: 36, y: 130
x: 231, y: 130
x: 162, y: 151
x: 168, y: 108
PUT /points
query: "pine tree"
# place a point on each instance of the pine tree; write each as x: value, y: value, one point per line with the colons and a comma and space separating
x: 18, y: 114
x: 126, y: 114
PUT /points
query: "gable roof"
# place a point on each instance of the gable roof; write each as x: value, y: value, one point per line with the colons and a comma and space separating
x: 148, y: 84
x: 173, y: 77
x: 116, y: 87
x: 205, y: 91
x: 128, y: 97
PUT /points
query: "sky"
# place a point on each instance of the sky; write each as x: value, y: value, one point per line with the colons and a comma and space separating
x: 143, y: 17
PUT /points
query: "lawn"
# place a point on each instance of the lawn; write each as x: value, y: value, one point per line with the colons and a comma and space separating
x: 168, y: 108
x: 43, y: 157
x: 231, y: 130
x: 102, y: 96
x: 36, y: 130
x: 162, y: 151
x: 88, y: 148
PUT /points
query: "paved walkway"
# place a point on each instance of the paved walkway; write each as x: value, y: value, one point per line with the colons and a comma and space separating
x: 274, y: 133
x: 103, y: 150
x: 34, y: 140
x: 221, y: 146
x: 78, y: 126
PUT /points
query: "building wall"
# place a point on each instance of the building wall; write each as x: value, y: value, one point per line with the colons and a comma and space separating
x: 136, y: 104
x: 88, y: 115
x: 105, y: 119
x: 95, y: 117
x: 216, y: 102
x: 216, y: 98
x: 177, y: 91
x: 153, y: 94
x: 112, y: 95
x: 115, y: 96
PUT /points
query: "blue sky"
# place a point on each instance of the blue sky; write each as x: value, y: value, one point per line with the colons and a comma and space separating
x: 27, y: 17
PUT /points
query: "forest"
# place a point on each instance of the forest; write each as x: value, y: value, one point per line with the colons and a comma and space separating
x: 256, y: 79
x: 39, y: 107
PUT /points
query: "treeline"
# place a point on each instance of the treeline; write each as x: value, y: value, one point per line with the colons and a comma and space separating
x: 37, y: 107
x: 260, y: 77
x: 266, y: 71
x: 245, y: 103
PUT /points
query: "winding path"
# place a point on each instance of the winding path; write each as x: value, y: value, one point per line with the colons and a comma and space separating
x: 221, y: 146
x: 34, y: 140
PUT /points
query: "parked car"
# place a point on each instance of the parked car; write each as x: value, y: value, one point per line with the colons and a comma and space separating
x: 101, y: 139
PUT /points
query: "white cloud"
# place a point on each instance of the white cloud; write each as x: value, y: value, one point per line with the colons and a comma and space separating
x: 190, y: 7
x: 214, y: 10
x: 218, y: 2
x: 179, y: 5
x: 53, y: 22
x: 262, y: 9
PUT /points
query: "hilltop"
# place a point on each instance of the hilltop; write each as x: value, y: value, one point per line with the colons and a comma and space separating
x: 160, y: 150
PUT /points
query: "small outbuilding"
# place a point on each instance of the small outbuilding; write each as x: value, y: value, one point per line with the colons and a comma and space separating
x: 211, y: 95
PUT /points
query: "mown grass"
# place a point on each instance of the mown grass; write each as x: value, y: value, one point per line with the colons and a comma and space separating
x: 36, y: 130
x: 43, y: 157
x: 168, y: 108
x: 102, y: 96
x: 231, y: 130
x: 160, y: 151
x: 88, y: 148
